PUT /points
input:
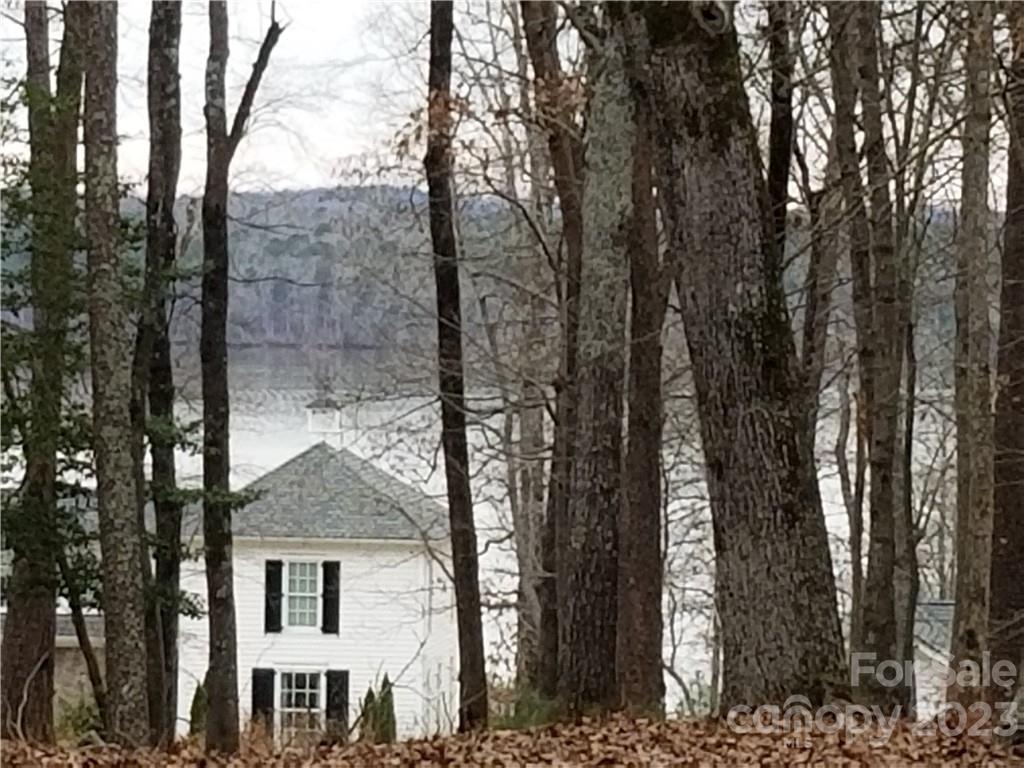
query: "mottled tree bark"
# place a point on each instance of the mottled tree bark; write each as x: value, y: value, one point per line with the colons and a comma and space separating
x: 843, y: 64
x: 222, y: 725
x: 639, y: 644
x: 770, y: 540
x: 438, y: 166
x: 555, y: 113
x: 26, y: 683
x: 880, y: 321
x: 1006, y: 610
x: 972, y: 351
x: 588, y: 567
x: 153, y: 372
x: 880, y: 609
x: 121, y: 545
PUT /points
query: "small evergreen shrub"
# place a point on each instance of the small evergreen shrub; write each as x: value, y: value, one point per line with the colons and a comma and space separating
x: 197, y: 712
x: 377, y: 719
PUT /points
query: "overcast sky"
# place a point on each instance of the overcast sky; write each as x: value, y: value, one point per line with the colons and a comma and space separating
x: 338, y: 84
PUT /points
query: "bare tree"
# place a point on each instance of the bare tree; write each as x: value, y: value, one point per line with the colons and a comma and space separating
x: 972, y: 352
x: 887, y: 338
x: 26, y: 690
x: 588, y: 566
x: 153, y: 363
x: 222, y: 725
x: 120, y: 539
x: 843, y: 65
x: 641, y: 564
x: 555, y: 111
x: 437, y: 163
x: 1006, y: 610
x: 770, y: 538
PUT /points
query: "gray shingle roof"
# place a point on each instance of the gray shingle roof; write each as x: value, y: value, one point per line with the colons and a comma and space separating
x: 334, y: 494
x: 322, y: 493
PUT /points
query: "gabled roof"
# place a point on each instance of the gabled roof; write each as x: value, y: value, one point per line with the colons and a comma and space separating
x: 325, y: 493
x: 322, y: 493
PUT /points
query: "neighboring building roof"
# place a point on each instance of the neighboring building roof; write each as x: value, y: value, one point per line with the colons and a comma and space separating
x: 933, y: 624
x: 325, y: 493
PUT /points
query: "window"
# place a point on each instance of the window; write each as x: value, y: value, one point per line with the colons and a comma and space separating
x: 302, y: 594
x: 300, y: 706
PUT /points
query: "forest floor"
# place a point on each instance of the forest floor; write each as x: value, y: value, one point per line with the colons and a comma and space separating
x: 618, y: 742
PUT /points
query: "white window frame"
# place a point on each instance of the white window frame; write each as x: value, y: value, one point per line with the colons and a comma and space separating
x: 288, y: 734
x: 315, y: 595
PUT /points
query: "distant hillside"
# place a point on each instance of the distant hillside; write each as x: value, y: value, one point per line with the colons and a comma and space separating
x: 348, y: 269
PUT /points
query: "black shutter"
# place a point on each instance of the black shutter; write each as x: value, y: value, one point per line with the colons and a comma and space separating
x: 331, y: 597
x: 337, y: 704
x: 263, y: 697
x: 272, y: 598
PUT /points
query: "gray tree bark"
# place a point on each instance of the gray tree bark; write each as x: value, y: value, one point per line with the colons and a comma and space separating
x: 26, y: 681
x: 222, y: 725
x: 555, y: 113
x: 154, y: 375
x: 880, y: 609
x: 588, y: 566
x: 972, y: 352
x: 120, y: 541
x: 770, y: 540
x: 438, y: 167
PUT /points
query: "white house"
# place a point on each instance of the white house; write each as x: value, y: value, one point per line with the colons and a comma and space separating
x: 339, y: 580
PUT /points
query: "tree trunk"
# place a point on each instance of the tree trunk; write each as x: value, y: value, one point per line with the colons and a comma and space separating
x: 639, y: 654
x: 852, y: 501
x: 154, y: 375
x: 880, y: 610
x: 26, y: 683
x: 770, y: 539
x: 438, y: 166
x: 780, y: 136
x: 1006, y: 612
x: 843, y: 64
x: 973, y: 349
x: 828, y: 240
x: 222, y: 725
x: 906, y: 574
x: 164, y: 161
x: 120, y: 542
x: 588, y: 568
x: 555, y: 112
x: 523, y: 398
x: 92, y: 666
x: 222, y: 670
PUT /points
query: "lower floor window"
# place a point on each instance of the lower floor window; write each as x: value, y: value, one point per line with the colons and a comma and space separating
x: 301, y: 705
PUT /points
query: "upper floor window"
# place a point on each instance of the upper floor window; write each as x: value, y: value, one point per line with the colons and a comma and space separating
x: 302, y: 594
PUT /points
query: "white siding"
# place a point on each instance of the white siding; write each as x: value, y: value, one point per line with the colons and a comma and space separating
x: 385, y: 591
x: 930, y: 671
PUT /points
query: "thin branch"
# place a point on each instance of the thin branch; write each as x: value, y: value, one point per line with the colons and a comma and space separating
x: 249, y: 95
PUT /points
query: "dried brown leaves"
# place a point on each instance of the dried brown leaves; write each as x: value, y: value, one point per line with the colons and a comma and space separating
x: 619, y: 742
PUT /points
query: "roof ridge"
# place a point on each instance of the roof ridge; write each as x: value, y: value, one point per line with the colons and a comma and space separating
x: 316, y: 447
